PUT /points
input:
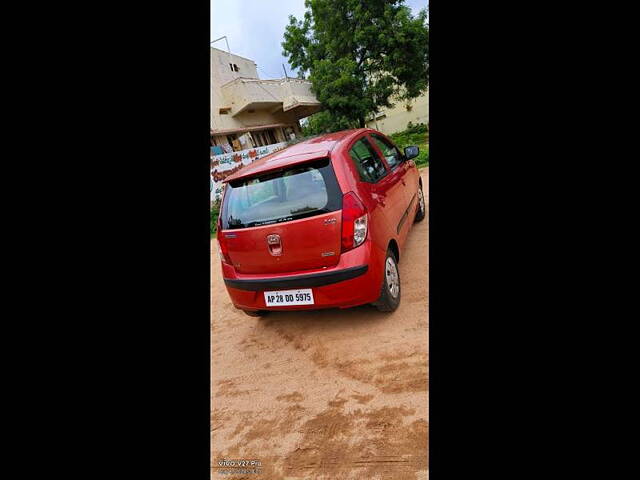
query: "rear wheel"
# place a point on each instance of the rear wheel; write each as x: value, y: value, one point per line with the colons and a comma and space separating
x: 256, y: 313
x: 422, y: 209
x: 390, y: 293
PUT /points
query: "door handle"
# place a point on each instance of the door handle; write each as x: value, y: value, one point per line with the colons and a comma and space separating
x: 402, y: 180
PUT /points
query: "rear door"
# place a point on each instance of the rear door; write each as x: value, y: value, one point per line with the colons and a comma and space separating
x: 384, y: 197
x: 281, y: 222
x: 402, y: 174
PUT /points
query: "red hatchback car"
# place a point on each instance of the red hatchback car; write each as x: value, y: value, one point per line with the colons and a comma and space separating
x: 320, y: 224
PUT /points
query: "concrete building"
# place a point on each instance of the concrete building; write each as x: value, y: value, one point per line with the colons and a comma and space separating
x: 392, y: 120
x: 247, y: 112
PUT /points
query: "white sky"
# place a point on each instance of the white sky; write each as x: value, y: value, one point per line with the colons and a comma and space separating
x: 255, y: 29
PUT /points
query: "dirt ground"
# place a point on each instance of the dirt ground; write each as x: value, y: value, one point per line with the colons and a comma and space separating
x: 331, y: 394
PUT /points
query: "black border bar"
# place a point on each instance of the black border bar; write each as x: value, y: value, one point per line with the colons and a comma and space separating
x: 299, y: 281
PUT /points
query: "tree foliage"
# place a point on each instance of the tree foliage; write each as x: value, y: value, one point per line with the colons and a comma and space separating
x: 325, y: 122
x: 359, y: 55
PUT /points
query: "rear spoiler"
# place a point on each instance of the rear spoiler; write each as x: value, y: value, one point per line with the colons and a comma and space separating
x: 274, y: 163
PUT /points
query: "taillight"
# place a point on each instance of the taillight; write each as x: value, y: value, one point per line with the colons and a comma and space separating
x: 354, y: 222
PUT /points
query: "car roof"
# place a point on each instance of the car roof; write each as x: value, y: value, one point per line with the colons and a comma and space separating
x: 310, y: 149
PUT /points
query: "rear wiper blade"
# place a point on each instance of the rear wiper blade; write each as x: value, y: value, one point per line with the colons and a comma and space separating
x: 233, y: 223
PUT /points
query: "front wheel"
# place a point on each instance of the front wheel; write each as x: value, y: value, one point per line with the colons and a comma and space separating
x: 390, y: 293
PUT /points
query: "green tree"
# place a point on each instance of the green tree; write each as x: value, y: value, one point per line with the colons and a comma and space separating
x: 359, y: 55
x: 325, y: 122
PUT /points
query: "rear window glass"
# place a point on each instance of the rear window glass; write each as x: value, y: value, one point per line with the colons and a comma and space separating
x: 299, y: 192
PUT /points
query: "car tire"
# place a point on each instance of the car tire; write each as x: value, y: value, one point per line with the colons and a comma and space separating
x: 256, y: 313
x: 421, y: 211
x: 390, y: 293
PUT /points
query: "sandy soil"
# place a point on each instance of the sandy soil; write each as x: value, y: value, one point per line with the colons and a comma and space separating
x: 333, y: 394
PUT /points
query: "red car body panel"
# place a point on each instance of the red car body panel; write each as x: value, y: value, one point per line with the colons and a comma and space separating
x: 250, y: 252
x: 391, y: 205
x: 357, y: 291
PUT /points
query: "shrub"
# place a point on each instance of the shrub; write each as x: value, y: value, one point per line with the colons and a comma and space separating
x: 414, y: 135
x: 417, y: 128
x: 422, y: 160
x: 213, y: 216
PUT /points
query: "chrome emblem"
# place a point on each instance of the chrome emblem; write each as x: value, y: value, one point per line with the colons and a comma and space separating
x: 273, y: 239
x: 329, y: 221
x: 274, y: 244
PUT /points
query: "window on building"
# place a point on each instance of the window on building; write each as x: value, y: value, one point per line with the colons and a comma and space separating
x: 367, y: 162
x: 264, y: 137
x: 257, y: 141
x: 234, y: 141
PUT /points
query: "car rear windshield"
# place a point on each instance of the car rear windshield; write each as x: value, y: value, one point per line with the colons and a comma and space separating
x: 299, y: 192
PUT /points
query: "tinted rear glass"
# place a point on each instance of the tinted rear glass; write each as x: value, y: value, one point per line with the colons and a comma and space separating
x: 299, y: 192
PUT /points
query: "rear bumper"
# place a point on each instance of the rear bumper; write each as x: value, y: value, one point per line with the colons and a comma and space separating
x: 299, y: 281
x: 355, y: 280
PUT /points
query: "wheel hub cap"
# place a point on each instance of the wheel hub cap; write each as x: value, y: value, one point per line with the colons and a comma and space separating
x: 391, y: 272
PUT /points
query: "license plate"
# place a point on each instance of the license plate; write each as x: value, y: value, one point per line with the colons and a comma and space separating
x: 288, y: 297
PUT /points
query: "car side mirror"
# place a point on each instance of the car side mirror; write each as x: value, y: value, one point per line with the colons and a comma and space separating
x: 411, y: 152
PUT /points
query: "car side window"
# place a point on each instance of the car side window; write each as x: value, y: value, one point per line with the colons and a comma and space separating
x: 391, y: 153
x: 366, y: 160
